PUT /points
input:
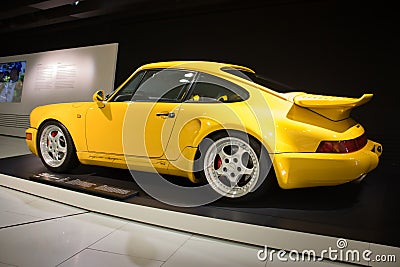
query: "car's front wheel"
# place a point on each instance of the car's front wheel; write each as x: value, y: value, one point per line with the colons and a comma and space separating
x: 234, y: 165
x: 56, y: 148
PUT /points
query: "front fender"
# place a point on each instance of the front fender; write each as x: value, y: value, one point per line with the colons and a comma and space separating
x: 71, y: 115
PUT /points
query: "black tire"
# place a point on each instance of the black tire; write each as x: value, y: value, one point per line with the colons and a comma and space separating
x: 242, y: 183
x: 56, y: 148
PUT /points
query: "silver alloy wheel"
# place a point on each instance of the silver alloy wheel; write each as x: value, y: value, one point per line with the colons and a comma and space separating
x: 53, y: 146
x: 231, y: 167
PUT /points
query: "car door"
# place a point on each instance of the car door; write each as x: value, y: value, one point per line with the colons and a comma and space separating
x: 138, y: 120
x: 151, y: 115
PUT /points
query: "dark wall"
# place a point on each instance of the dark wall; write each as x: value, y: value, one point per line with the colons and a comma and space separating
x: 326, y: 47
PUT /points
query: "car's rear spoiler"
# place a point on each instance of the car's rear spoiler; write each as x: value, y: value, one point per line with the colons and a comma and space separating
x: 331, y: 107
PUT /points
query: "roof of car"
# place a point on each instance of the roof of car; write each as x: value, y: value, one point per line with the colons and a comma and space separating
x: 194, y: 65
x: 207, y: 67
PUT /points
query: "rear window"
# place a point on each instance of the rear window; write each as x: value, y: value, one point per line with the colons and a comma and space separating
x: 258, y: 79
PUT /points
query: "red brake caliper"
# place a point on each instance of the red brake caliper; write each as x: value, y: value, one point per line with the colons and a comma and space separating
x: 219, y: 162
x: 53, y: 134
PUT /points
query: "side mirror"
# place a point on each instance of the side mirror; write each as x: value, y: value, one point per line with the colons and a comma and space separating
x: 98, y: 97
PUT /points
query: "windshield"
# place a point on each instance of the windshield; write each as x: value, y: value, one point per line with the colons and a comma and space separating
x: 258, y: 79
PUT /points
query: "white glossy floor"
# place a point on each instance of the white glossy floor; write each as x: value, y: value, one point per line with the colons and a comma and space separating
x: 39, y: 232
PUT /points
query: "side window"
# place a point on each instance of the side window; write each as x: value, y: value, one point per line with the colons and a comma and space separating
x: 167, y: 85
x: 209, y: 88
x: 125, y: 94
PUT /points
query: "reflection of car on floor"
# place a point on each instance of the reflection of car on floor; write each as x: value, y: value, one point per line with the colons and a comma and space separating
x: 210, y: 122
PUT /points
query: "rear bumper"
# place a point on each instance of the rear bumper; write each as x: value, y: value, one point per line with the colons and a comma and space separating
x: 32, y: 132
x: 295, y: 170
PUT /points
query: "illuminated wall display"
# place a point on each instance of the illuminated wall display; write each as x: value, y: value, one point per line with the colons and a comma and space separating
x: 56, y: 76
x: 31, y: 80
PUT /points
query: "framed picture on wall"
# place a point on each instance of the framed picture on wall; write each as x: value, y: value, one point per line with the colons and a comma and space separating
x: 11, y: 81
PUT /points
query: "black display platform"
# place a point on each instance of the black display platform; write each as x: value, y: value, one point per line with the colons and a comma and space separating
x: 366, y: 212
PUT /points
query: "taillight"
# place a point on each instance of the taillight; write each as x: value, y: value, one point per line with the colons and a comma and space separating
x: 344, y: 146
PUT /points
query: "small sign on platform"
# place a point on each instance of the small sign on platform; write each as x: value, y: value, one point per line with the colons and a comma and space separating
x: 90, y: 185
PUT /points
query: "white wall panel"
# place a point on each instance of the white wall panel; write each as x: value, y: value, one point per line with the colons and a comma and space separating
x: 58, y: 76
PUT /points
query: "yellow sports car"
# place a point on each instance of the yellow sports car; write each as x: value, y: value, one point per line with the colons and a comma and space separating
x: 215, y: 123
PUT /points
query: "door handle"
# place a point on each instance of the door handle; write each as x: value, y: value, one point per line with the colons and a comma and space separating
x: 166, y: 114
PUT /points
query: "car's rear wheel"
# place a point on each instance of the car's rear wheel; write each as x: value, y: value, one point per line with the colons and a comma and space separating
x: 234, y: 164
x: 56, y: 148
